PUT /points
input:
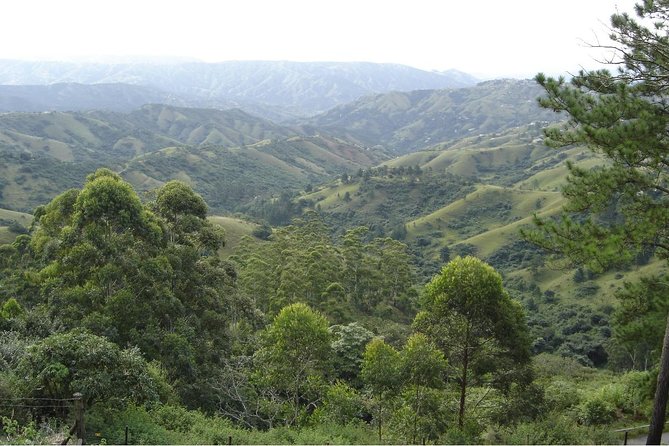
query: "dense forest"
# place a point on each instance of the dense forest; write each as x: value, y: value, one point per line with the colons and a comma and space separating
x: 457, y: 266
x: 300, y: 336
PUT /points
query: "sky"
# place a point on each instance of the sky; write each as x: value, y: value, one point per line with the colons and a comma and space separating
x: 486, y: 38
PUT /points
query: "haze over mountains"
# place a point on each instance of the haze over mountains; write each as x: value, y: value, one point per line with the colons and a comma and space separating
x: 278, y: 90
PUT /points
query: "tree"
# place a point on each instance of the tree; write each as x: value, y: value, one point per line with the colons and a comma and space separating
x: 144, y: 275
x: 77, y: 361
x: 422, y: 368
x: 348, y: 347
x: 623, y: 118
x: 294, y: 357
x: 638, y: 322
x: 477, y: 325
x: 381, y: 374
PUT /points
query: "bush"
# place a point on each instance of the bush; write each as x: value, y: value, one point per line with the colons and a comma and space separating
x: 561, y: 395
x: 77, y: 361
x: 596, y: 411
x: 557, y: 429
x: 638, y: 393
x: 341, y: 405
x: 104, y: 424
x: 176, y: 425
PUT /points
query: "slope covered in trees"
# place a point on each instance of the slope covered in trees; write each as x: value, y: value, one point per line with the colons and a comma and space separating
x: 100, y: 271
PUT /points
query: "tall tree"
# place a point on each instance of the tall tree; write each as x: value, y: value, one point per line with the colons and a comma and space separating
x: 381, y: 374
x: 422, y: 368
x: 294, y: 357
x: 479, y: 327
x: 622, y: 117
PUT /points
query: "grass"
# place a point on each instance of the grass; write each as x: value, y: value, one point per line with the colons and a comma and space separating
x: 7, y: 236
x: 235, y: 229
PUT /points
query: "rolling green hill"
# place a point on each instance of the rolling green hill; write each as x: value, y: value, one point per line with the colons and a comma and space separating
x: 228, y: 178
x: 12, y: 224
x: 409, y: 121
x: 472, y: 197
x: 44, y: 153
x: 445, y: 213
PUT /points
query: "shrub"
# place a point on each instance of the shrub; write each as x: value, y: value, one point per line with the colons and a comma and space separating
x: 556, y: 429
x: 596, y: 411
x: 561, y: 395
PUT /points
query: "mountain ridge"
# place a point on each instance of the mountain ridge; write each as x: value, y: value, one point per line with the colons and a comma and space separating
x: 299, y: 88
x: 415, y: 120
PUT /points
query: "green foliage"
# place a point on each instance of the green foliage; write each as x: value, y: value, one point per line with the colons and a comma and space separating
x: 342, y: 405
x: 573, y: 330
x: 175, y: 425
x: 595, y: 411
x: 103, y: 261
x: 555, y: 429
x: 14, y: 433
x: 380, y: 368
x: 351, y: 278
x: 477, y: 325
x: 294, y: 359
x: 422, y: 371
x: 562, y: 395
x: 348, y: 346
x: 639, y: 323
x: 382, y: 377
x: 76, y: 361
x: 11, y: 309
x: 175, y: 199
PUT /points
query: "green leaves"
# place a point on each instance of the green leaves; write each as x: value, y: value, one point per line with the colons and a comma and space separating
x: 176, y: 199
x: 466, y: 286
x: 76, y: 361
x: 474, y: 321
x: 302, y: 263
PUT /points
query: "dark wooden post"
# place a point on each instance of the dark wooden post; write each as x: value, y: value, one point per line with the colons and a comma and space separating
x: 626, y: 433
x: 79, y: 417
x: 126, y: 434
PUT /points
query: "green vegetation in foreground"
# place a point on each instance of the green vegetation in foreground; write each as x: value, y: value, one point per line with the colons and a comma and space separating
x: 215, y: 343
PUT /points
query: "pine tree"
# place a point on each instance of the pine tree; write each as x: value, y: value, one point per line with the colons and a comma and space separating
x: 623, y: 118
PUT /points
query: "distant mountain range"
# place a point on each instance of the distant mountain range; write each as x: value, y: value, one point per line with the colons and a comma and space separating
x: 275, y: 90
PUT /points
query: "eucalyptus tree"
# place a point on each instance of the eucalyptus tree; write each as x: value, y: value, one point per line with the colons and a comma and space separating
x: 481, y: 330
x: 380, y: 372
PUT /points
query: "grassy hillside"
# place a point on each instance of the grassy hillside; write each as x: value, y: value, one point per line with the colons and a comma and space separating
x: 472, y: 197
x: 45, y: 153
x: 12, y: 223
x: 235, y: 229
x: 229, y: 178
x: 410, y: 121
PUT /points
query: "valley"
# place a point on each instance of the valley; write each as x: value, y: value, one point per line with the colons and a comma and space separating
x: 156, y: 219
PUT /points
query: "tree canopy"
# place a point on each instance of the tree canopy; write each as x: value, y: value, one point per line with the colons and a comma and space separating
x: 620, y: 208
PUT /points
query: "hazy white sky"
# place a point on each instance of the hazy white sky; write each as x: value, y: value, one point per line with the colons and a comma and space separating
x: 484, y: 37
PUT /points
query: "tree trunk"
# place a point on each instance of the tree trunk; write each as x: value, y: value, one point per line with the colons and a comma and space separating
x: 463, y: 382
x: 661, y: 393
